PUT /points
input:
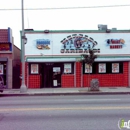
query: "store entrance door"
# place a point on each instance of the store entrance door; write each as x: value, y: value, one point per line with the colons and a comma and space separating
x: 50, y: 75
x: 56, y: 76
x: 3, y: 73
x: 47, y: 75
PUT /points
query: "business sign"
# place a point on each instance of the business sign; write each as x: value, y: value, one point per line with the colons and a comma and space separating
x: 43, y: 44
x: 5, y: 47
x: 77, y: 43
x: 115, y: 43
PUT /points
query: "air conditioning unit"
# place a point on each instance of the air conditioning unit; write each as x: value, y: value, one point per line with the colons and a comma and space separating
x: 102, y: 27
x: 28, y: 29
x: 114, y: 28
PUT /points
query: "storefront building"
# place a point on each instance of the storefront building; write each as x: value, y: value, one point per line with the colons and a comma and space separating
x: 53, y: 58
x: 9, y: 60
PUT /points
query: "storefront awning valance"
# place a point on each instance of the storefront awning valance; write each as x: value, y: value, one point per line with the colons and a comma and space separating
x: 111, y: 59
x: 51, y: 59
x: 99, y: 59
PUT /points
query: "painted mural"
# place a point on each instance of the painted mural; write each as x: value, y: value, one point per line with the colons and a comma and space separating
x: 78, y: 43
x: 43, y: 44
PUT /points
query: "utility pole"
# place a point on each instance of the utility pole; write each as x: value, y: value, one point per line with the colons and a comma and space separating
x: 23, y: 87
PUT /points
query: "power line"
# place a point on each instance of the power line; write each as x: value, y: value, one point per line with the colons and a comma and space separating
x: 4, y: 9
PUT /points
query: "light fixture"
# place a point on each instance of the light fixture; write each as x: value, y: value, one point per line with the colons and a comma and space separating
x: 46, y: 31
x: 42, y: 54
x: 25, y: 39
x: 108, y: 31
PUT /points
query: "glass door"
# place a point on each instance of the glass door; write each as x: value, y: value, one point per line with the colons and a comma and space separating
x: 56, y: 76
x: 3, y: 74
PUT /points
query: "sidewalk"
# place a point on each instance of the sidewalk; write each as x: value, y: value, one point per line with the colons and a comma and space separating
x: 66, y: 91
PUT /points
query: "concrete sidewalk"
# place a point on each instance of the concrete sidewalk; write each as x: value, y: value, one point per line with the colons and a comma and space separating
x: 66, y: 91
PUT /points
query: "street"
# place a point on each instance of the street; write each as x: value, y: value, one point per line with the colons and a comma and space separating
x: 90, y: 112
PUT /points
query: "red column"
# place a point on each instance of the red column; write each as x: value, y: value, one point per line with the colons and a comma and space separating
x: 78, y: 74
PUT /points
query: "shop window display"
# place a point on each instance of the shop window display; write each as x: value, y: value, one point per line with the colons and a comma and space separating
x: 67, y: 68
x: 34, y: 69
x: 104, y: 68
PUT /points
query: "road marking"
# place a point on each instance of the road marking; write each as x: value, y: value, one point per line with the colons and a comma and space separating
x: 96, y: 99
x: 71, y: 108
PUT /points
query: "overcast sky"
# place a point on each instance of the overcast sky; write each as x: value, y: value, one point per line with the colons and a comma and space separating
x: 63, y: 19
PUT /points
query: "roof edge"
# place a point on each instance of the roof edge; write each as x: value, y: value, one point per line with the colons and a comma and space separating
x: 77, y: 31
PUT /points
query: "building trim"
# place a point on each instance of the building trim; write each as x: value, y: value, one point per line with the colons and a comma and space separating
x: 75, y: 31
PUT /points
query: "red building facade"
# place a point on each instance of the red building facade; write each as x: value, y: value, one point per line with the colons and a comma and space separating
x: 53, y: 58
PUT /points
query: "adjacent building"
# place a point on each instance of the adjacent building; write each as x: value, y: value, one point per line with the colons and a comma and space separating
x: 9, y: 60
x: 53, y: 58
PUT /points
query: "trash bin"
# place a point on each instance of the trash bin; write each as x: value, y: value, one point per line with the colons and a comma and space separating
x: 94, y: 85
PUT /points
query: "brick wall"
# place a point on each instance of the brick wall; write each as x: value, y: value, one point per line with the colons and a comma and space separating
x: 34, y: 81
x: 67, y: 81
x: 108, y: 80
x: 4, y: 35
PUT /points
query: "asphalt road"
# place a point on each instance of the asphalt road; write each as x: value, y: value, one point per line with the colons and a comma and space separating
x: 90, y: 112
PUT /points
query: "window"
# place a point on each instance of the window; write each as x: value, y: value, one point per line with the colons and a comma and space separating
x: 34, y: 68
x: 103, y: 68
x: 68, y: 68
x: 56, y: 69
x: 1, y: 69
x: 115, y: 67
x: 88, y: 69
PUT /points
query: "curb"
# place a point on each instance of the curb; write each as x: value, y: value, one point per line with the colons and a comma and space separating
x: 65, y: 94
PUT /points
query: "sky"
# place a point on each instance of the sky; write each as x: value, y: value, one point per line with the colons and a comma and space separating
x: 63, y: 19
